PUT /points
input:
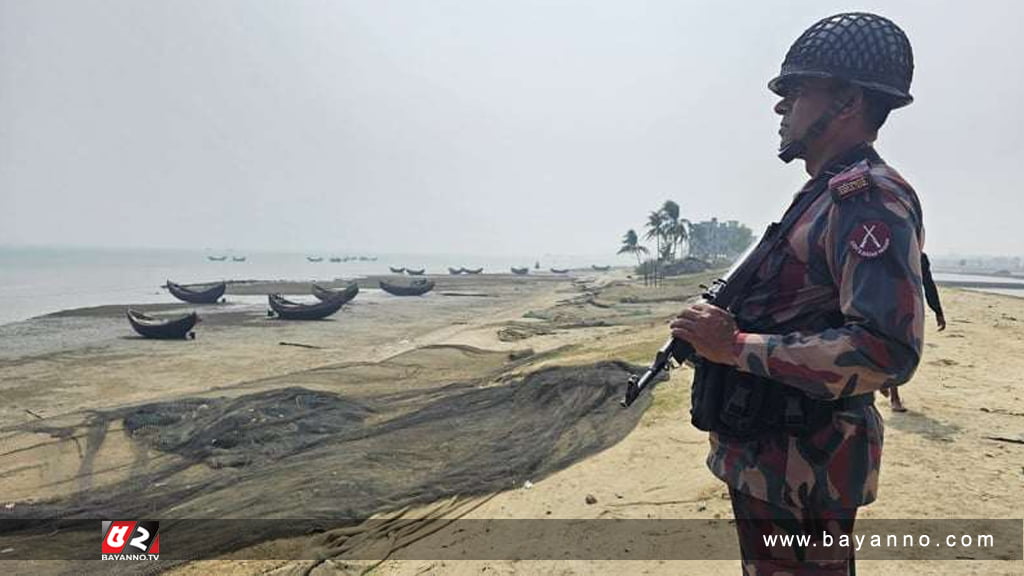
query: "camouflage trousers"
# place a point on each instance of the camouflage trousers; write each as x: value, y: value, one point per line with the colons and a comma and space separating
x: 756, y: 519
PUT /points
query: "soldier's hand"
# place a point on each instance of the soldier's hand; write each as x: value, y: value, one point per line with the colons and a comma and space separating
x: 711, y: 330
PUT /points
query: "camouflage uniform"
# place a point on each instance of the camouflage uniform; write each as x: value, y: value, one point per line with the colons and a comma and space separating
x: 856, y: 252
x: 852, y: 260
x: 756, y: 518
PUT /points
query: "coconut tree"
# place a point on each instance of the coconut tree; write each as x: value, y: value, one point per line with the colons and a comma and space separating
x: 656, y: 231
x: 631, y: 245
x: 680, y: 232
x: 675, y: 228
x: 670, y: 221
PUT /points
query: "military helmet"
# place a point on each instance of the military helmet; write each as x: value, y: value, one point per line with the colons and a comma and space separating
x: 864, y: 49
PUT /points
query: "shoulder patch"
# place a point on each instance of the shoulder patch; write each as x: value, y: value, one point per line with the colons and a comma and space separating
x: 851, y: 181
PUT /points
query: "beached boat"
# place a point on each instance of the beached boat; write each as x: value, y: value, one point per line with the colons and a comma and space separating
x: 216, y: 258
x: 520, y: 271
x: 473, y: 271
x: 417, y: 288
x: 288, y: 310
x: 412, y: 272
x: 559, y: 270
x: 238, y: 258
x: 187, y: 294
x: 315, y: 258
x: 455, y: 271
x: 396, y: 270
x: 163, y: 329
x: 347, y: 293
x: 600, y: 268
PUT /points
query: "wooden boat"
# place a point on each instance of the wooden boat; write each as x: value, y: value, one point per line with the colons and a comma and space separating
x: 163, y: 329
x: 347, y: 293
x: 315, y: 258
x: 455, y: 271
x: 417, y: 288
x: 600, y: 268
x: 185, y: 294
x: 520, y: 271
x: 473, y: 271
x: 412, y: 272
x: 288, y: 310
x: 560, y: 270
x: 216, y: 258
x: 396, y: 270
x: 238, y: 258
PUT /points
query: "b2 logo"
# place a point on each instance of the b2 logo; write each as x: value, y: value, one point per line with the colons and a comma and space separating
x: 135, y: 540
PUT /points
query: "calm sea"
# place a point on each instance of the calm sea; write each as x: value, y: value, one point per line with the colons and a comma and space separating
x: 36, y: 281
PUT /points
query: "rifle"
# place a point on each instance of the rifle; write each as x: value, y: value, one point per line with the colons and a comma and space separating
x: 673, y: 348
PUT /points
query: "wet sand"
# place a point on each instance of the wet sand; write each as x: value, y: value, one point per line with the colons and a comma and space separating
x: 937, y: 463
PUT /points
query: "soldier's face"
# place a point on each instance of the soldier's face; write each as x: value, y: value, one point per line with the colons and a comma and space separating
x: 803, y: 104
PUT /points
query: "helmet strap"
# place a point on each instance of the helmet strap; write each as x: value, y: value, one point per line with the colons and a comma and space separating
x: 798, y: 147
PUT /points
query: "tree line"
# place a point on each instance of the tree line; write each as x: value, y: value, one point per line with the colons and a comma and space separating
x: 681, y: 245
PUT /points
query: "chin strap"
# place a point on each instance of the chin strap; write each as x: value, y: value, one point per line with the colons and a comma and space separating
x: 797, y: 148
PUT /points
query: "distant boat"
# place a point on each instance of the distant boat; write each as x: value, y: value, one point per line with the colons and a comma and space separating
x: 473, y: 271
x: 335, y: 259
x: 238, y: 258
x: 167, y: 329
x: 520, y: 271
x: 187, y: 294
x: 417, y: 288
x: 216, y: 258
x: 396, y: 270
x: 325, y: 294
x: 288, y: 310
x: 600, y: 268
x: 412, y: 272
x: 315, y: 258
x: 560, y: 270
x: 454, y: 271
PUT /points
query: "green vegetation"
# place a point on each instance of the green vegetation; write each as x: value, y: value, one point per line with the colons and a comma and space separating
x: 682, y: 246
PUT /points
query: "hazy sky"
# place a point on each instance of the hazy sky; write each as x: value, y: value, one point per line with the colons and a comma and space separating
x: 472, y: 126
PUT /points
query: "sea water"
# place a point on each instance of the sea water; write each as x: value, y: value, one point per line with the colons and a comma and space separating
x: 41, y: 280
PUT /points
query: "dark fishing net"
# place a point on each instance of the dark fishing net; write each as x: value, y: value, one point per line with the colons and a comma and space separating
x: 352, y: 441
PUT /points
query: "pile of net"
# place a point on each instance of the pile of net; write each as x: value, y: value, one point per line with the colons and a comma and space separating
x: 352, y: 441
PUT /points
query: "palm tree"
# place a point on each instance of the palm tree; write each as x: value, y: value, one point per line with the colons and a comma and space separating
x: 631, y: 245
x: 670, y: 221
x: 655, y: 230
x: 675, y: 227
x: 680, y: 234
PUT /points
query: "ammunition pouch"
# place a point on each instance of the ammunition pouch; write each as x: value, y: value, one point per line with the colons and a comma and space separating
x: 743, y: 406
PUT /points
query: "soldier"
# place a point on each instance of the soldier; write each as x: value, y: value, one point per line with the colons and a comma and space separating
x: 832, y: 312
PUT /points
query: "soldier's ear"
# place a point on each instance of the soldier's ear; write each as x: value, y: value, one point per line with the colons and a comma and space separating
x: 851, y: 99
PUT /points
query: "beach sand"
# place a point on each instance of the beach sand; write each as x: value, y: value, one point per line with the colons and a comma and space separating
x: 939, y: 460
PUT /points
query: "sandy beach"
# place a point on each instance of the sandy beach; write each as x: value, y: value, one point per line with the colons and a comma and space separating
x: 79, y: 387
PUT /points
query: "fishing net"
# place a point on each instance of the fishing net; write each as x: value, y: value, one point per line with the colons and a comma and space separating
x: 351, y: 441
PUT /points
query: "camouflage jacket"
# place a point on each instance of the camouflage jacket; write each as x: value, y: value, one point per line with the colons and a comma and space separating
x: 835, y: 310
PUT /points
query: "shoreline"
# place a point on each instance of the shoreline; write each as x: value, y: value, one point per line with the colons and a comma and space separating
x: 293, y: 287
x: 964, y: 390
